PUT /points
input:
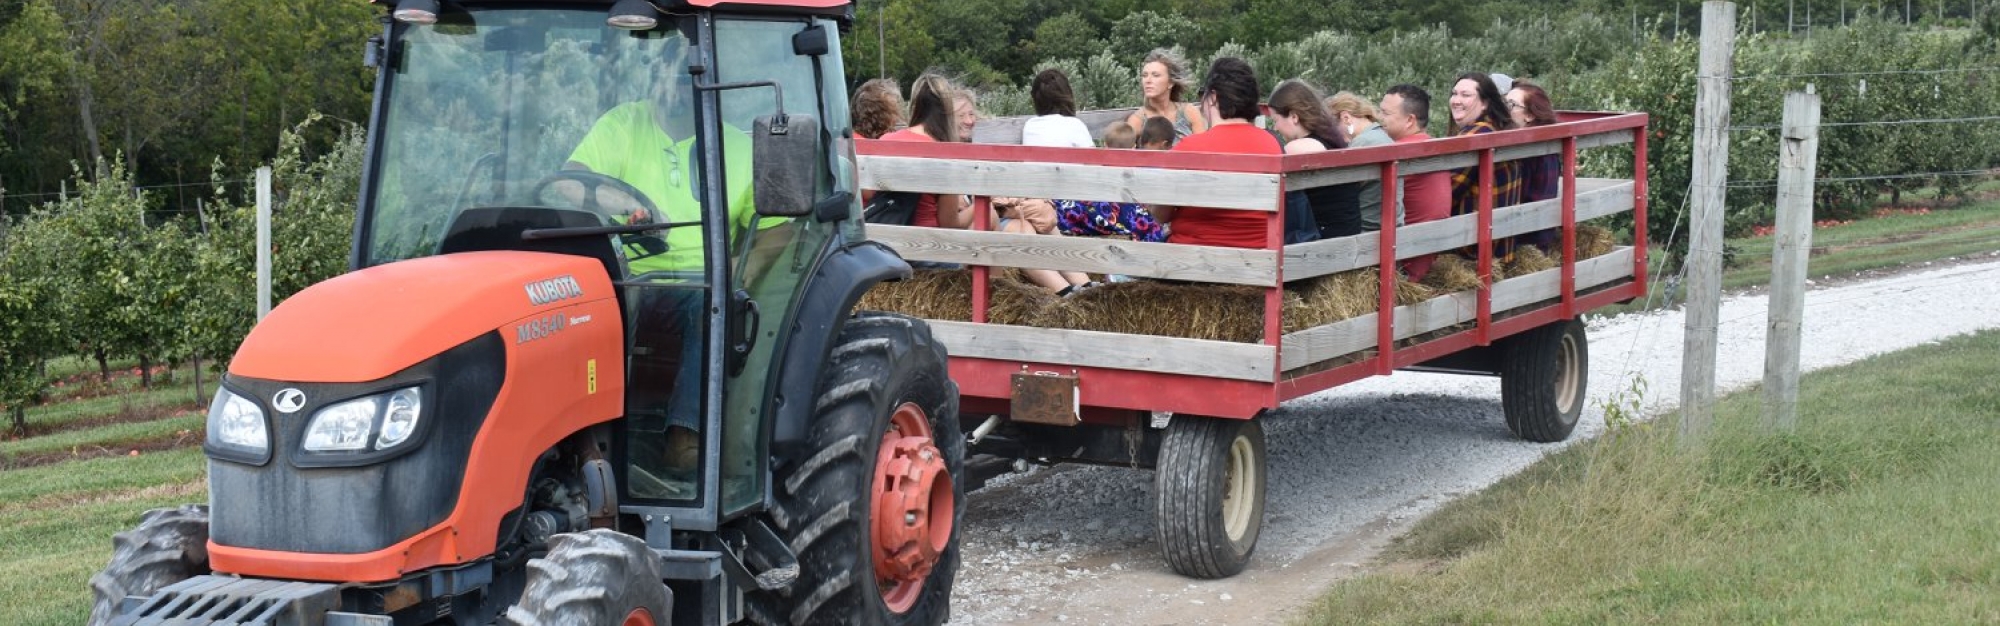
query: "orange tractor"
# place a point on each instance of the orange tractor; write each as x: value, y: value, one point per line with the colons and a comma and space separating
x: 596, y: 362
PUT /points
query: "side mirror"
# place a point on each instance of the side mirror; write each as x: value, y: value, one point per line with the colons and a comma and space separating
x: 785, y: 164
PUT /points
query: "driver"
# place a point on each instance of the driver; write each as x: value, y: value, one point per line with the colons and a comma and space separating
x: 650, y: 144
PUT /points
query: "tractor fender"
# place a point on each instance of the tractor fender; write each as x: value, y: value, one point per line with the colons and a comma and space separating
x: 849, y: 270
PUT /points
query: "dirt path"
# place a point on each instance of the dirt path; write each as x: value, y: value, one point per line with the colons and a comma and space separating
x: 1353, y: 467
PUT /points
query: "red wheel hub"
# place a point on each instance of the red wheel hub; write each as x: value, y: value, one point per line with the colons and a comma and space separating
x: 912, y: 508
x: 638, y: 617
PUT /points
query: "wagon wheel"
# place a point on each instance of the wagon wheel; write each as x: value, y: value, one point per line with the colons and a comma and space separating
x: 1210, y: 481
x: 1542, y: 378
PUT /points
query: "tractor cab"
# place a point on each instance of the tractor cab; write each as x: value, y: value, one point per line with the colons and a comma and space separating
x: 500, y: 121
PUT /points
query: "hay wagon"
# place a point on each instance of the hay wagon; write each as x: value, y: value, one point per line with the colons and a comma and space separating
x: 1069, y: 380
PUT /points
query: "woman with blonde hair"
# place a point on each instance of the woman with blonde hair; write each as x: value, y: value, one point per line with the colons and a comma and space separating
x: 1163, y: 80
x: 1363, y: 126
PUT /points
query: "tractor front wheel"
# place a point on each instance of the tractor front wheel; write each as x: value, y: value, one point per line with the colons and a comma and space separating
x: 873, y: 513
x: 597, y: 576
x: 168, y: 546
x: 1210, y: 484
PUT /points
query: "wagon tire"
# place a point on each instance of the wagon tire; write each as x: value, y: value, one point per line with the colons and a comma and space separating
x: 1210, y: 484
x: 1542, y: 381
x: 873, y: 510
x: 168, y: 546
x: 597, y: 576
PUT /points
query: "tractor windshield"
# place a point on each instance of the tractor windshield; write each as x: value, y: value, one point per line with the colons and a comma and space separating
x: 532, y: 108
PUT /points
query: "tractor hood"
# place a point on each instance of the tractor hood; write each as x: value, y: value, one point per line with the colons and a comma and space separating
x: 372, y: 323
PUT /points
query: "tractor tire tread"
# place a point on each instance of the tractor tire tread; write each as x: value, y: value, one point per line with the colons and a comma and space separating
x: 593, y: 577
x: 168, y: 546
x: 879, y: 361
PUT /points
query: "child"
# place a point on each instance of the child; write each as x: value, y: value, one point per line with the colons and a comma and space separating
x: 1121, y: 136
x: 1157, y: 135
x: 1089, y: 218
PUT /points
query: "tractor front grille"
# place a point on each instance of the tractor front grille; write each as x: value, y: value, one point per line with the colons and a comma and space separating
x: 227, y: 601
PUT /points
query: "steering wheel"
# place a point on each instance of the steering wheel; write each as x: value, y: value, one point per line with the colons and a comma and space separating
x: 641, y: 208
x: 638, y: 208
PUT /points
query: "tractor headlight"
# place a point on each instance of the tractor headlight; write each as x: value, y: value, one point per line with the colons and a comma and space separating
x: 236, y: 427
x: 389, y: 419
x: 399, y: 419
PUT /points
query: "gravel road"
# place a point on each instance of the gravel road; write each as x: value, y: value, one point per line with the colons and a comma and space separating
x: 1352, y: 467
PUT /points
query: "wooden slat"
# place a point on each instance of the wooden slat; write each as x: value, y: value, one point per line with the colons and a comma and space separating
x: 1595, y: 197
x: 1321, y: 343
x: 1195, y: 188
x: 1440, y: 312
x: 1239, y: 266
x: 1348, y: 336
x: 1332, y: 256
x: 1166, y: 355
x: 1321, y: 178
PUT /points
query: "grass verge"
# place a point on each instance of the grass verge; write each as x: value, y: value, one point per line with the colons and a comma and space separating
x: 56, y: 523
x: 1876, y: 510
x: 1894, y: 240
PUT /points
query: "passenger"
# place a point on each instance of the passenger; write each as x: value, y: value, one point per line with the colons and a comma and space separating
x: 1228, y: 103
x: 877, y: 108
x: 1303, y: 122
x: 1476, y: 109
x: 1363, y: 129
x: 1406, y: 112
x: 1541, y: 176
x: 1157, y: 134
x: 1055, y: 124
x: 1123, y: 220
x: 965, y: 108
x: 1163, y: 80
x: 1121, y: 136
x: 932, y: 119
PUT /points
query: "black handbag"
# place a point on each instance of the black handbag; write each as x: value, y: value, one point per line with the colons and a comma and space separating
x: 890, y: 207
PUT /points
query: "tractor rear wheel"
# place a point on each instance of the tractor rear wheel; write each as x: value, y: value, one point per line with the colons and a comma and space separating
x: 1542, y: 381
x: 1210, y: 489
x: 597, y: 576
x: 168, y: 546
x: 873, y: 513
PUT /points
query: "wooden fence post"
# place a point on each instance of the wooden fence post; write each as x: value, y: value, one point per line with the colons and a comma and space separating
x: 1704, y: 259
x: 1798, y: 159
x: 263, y: 242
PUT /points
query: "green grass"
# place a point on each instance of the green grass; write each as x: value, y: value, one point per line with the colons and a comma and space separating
x: 104, y: 435
x: 1877, y: 510
x: 1871, y: 244
x: 66, y: 414
x: 56, y: 524
x: 1877, y: 243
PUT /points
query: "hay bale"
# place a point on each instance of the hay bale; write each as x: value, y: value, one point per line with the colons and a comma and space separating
x: 1327, y: 299
x: 942, y: 294
x: 928, y: 293
x: 1451, y: 273
x: 1594, y: 241
x: 1410, y: 292
x: 1528, y: 260
x: 1146, y: 307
